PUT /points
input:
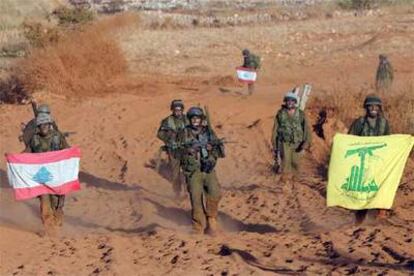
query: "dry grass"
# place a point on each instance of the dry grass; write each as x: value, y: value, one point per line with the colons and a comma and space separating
x: 12, y: 91
x: 81, y: 61
x: 346, y: 105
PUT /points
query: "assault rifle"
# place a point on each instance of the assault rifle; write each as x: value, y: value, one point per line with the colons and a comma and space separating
x: 222, y: 153
x: 201, y: 146
x: 68, y: 133
x: 277, y: 167
x: 197, y: 144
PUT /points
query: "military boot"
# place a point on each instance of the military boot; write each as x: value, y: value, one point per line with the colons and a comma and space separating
x: 250, y: 89
x: 59, y: 217
x: 198, y: 229
x: 360, y: 216
x: 286, y: 177
x: 382, y: 214
x: 46, y: 211
x: 212, y: 212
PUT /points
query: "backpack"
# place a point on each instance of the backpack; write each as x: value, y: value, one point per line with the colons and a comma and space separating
x: 256, y: 61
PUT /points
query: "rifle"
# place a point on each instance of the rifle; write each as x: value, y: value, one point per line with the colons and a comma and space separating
x: 68, y: 133
x: 158, y: 158
x: 222, y: 153
x: 196, y: 144
x: 34, y: 108
x: 277, y: 167
x: 210, y: 129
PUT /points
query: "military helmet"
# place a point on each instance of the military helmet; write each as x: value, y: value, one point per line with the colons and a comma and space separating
x: 195, y: 111
x: 176, y: 103
x: 290, y: 96
x: 43, y: 108
x: 372, y: 100
x: 246, y: 52
x: 43, y: 118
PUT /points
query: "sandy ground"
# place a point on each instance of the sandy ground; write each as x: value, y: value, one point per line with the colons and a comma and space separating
x: 125, y: 220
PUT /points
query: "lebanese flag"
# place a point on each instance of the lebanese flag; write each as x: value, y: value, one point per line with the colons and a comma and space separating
x: 53, y: 172
x: 247, y: 75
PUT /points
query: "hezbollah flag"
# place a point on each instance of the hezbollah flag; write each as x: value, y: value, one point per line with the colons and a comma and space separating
x: 364, y: 172
x: 53, y: 172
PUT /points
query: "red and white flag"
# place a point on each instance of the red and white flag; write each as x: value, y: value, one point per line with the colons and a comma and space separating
x: 247, y: 75
x: 53, y: 172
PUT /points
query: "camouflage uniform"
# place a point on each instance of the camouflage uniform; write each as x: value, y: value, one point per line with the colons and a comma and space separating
x: 167, y: 133
x: 198, y: 166
x: 30, y: 127
x: 385, y: 74
x: 51, y: 205
x: 30, y: 130
x: 366, y: 126
x: 253, y: 62
x: 290, y: 134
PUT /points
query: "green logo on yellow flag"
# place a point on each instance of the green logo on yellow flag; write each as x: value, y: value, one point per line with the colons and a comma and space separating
x: 364, y: 172
x: 357, y: 182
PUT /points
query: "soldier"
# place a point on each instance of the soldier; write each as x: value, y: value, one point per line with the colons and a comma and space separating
x: 167, y: 133
x: 385, y: 74
x: 253, y: 62
x: 29, y: 129
x: 290, y: 136
x: 372, y: 124
x: 199, y: 150
x: 47, y: 139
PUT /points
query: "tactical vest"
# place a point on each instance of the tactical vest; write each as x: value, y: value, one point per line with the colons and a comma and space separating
x: 290, y: 128
x: 174, y: 126
x: 201, y: 160
x: 367, y: 130
x: 45, y: 144
x: 252, y: 61
x: 30, y: 130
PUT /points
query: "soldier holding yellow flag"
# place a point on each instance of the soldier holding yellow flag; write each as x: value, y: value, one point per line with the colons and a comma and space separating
x: 372, y: 124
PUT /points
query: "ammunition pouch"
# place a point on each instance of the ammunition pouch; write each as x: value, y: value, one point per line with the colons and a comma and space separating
x: 190, y: 165
x: 55, y: 143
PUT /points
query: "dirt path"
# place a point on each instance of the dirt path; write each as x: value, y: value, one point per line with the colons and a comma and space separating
x: 125, y: 220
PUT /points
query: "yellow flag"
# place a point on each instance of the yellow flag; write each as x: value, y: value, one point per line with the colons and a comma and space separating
x: 364, y: 172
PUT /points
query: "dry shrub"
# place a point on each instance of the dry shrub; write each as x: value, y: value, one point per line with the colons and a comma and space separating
x: 40, y: 35
x: 70, y: 16
x: 81, y: 62
x: 346, y: 106
x: 399, y: 109
x: 357, y: 4
x: 12, y: 91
